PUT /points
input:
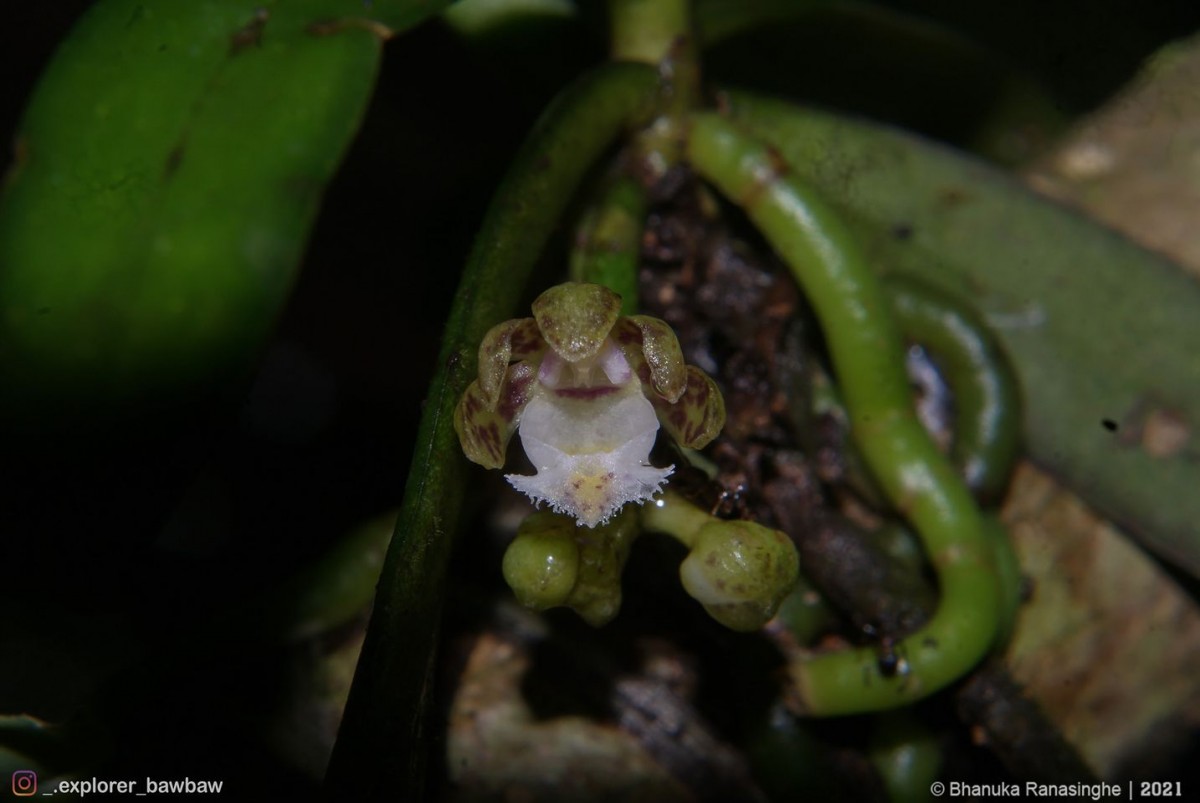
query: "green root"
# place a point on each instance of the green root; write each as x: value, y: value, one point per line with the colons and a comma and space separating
x: 986, y: 399
x: 866, y: 348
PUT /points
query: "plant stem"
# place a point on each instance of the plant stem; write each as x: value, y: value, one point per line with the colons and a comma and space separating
x: 608, y: 240
x: 660, y: 33
x: 648, y: 30
x: 673, y: 515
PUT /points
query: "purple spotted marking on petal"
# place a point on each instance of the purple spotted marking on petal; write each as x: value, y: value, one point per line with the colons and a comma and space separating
x: 658, y: 349
x: 486, y: 426
x: 698, y: 416
x: 517, y: 390
x: 505, y: 343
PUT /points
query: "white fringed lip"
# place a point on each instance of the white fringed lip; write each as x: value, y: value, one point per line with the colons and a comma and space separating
x: 591, y: 446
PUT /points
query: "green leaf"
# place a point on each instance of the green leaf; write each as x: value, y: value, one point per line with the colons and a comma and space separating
x: 1102, y: 333
x: 168, y: 169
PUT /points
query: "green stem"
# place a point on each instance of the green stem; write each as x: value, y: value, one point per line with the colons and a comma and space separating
x: 986, y: 400
x: 609, y: 238
x: 866, y: 350
x: 673, y: 515
x: 660, y: 33
x: 648, y: 31
x: 381, y: 748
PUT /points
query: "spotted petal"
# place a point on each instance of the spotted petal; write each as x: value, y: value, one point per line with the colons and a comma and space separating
x: 697, y: 417
x: 485, y: 426
x: 504, y: 343
x: 574, y: 318
x: 654, y: 353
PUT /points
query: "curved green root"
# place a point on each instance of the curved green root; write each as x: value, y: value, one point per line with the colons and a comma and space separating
x: 865, y: 345
x: 981, y: 379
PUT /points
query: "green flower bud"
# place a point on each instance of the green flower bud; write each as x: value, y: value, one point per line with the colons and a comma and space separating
x: 541, y: 565
x: 740, y: 572
x: 554, y: 562
x: 603, y: 552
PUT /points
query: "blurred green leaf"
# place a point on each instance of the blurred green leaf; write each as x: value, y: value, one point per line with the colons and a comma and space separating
x: 167, y: 172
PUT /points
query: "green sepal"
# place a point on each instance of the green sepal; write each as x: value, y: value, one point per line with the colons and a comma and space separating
x: 575, y: 318
x: 689, y: 404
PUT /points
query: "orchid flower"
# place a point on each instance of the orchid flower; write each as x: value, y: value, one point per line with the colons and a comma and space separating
x: 587, y: 390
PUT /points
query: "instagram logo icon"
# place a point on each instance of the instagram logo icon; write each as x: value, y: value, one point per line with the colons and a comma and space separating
x: 24, y: 783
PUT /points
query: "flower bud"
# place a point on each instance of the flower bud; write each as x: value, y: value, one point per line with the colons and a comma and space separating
x: 541, y: 565
x: 555, y: 562
x: 740, y: 572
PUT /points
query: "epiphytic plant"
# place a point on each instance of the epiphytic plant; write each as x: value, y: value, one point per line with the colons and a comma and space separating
x: 168, y: 170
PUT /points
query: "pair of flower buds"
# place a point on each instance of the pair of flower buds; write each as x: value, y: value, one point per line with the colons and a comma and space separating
x: 587, y: 390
